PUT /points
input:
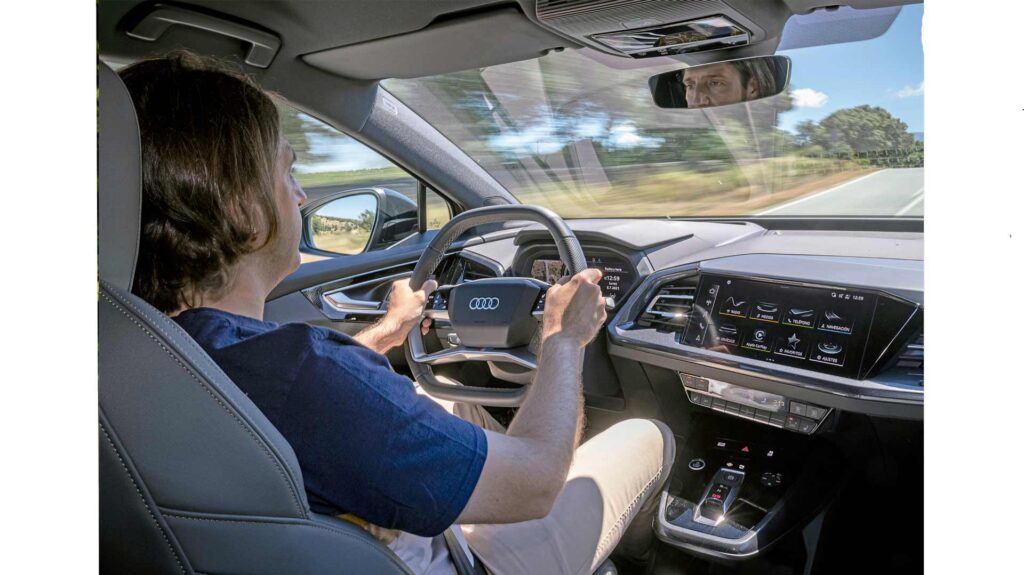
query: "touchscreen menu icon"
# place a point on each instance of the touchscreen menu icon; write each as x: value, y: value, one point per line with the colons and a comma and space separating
x: 800, y: 317
x: 765, y: 311
x: 836, y: 320
x: 728, y: 334
x: 734, y: 306
x: 829, y: 351
x: 757, y: 340
x: 792, y: 345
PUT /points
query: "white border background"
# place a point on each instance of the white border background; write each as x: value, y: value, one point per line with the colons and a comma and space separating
x: 974, y: 120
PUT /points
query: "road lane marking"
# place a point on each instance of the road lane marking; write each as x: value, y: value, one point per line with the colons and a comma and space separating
x: 918, y: 197
x: 821, y: 193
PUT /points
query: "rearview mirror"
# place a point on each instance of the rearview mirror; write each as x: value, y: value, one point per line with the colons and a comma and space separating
x: 721, y: 83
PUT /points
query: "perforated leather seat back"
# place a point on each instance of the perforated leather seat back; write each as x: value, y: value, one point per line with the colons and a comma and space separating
x: 193, y: 478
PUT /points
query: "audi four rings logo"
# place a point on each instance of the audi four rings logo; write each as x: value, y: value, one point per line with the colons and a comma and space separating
x: 484, y: 303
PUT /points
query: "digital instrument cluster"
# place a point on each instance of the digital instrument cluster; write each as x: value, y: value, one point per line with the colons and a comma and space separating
x: 618, y: 274
x: 810, y: 327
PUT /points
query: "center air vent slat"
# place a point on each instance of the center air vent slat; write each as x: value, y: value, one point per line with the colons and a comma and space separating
x: 911, y: 360
x: 670, y: 306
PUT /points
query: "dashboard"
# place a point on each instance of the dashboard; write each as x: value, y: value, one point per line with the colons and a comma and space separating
x: 771, y: 325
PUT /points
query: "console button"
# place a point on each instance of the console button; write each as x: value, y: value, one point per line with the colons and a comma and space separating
x: 806, y: 425
x: 757, y: 339
x: 762, y: 415
x: 830, y: 351
x: 731, y: 477
x: 777, y: 419
x: 792, y: 422
x: 693, y: 381
x: 732, y: 407
x: 797, y: 408
x: 766, y: 311
x: 705, y: 400
x: 771, y: 479
x: 792, y: 344
x: 747, y: 411
x: 718, y: 403
x: 800, y: 317
x: 734, y: 306
x: 696, y: 464
x: 816, y: 412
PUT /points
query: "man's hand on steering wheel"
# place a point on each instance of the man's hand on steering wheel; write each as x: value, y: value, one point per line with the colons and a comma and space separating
x: 574, y: 308
x: 405, y: 309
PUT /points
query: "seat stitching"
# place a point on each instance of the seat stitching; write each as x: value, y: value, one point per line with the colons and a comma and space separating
x: 139, y: 491
x: 304, y: 524
x: 246, y: 428
x: 187, y: 340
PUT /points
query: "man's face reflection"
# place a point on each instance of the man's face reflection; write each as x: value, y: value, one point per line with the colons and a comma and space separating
x: 716, y: 85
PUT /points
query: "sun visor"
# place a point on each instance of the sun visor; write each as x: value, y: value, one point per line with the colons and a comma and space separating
x: 475, y: 41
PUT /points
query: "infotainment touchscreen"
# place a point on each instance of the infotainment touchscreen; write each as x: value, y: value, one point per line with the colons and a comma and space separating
x: 617, y: 280
x: 822, y: 329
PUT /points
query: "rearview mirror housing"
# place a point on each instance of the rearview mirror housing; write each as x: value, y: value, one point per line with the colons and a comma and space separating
x: 721, y: 83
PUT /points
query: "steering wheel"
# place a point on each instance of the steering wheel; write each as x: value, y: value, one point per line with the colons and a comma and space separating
x: 494, y: 318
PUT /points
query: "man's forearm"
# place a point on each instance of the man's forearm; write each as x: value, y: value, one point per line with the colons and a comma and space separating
x: 552, y: 414
x: 381, y: 336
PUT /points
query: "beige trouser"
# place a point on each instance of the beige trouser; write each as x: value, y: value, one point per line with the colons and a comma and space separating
x: 615, y: 479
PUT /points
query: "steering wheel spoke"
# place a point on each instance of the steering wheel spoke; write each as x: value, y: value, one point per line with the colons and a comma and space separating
x: 520, y: 356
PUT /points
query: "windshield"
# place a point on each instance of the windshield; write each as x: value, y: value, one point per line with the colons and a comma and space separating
x: 578, y: 131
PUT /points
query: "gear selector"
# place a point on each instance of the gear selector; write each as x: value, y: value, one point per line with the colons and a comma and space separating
x: 719, y: 496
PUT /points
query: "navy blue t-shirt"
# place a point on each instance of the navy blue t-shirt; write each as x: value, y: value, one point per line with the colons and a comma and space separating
x: 366, y: 442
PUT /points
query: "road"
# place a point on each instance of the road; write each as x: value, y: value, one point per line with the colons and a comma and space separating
x: 889, y: 192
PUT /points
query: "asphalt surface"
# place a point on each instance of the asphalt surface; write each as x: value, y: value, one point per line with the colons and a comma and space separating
x: 889, y: 192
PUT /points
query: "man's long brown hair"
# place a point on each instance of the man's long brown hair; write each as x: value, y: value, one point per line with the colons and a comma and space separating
x: 210, y: 141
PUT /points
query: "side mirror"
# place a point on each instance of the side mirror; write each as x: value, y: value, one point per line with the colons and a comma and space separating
x: 722, y: 83
x: 344, y: 225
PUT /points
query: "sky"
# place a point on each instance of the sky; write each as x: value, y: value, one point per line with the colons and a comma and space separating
x: 887, y: 71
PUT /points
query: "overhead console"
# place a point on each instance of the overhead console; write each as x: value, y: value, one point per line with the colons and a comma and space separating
x: 651, y: 28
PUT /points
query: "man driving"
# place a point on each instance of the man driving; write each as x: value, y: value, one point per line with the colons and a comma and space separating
x: 220, y: 229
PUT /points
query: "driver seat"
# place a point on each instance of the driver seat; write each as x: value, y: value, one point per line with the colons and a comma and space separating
x: 193, y: 478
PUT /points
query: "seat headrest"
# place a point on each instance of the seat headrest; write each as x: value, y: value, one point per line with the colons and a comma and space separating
x: 120, y: 180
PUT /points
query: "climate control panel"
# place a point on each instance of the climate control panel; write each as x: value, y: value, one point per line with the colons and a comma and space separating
x: 755, y: 405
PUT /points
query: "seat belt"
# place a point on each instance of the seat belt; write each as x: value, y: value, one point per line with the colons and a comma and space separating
x: 463, y: 566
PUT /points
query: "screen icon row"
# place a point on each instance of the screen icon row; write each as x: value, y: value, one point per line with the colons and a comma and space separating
x: 830, y: 319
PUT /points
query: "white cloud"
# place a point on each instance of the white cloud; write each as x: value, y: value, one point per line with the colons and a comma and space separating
x: 910, y: 91
x: 809, y: 98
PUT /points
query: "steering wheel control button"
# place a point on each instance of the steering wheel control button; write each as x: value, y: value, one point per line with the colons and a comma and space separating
x: 697, y: 464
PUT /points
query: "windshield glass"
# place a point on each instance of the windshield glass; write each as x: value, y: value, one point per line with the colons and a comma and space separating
x: 578, y: 131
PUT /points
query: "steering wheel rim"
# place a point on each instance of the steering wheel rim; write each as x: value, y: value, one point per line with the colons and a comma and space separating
x: 420, y: 362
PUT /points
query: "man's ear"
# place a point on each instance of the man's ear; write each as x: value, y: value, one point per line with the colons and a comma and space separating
x: 753, y: 88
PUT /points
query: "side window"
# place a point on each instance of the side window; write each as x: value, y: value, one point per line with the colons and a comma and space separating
x: 357, y: 200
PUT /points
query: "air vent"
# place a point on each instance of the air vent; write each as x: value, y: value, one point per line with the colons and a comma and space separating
x: 911, y: 361
x: 670, y: 307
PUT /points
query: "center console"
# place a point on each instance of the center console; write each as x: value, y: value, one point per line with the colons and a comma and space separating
x: 731, y: 497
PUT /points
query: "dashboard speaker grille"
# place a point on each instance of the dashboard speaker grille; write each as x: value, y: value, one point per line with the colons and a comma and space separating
x: 671, y: 305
